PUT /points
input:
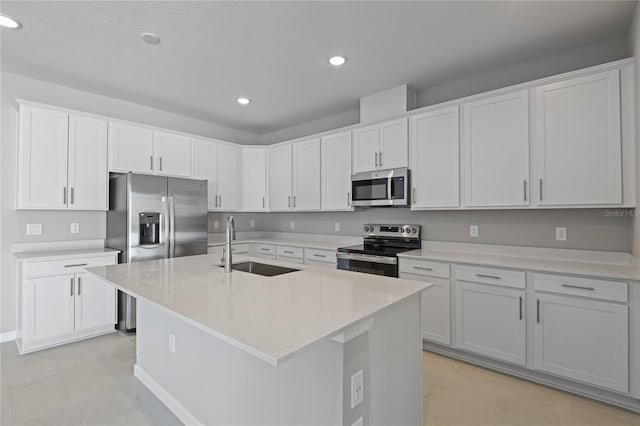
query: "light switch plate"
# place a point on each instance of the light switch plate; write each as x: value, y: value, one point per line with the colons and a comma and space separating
x: 75, y: 228
x: 561, y: 234
x: 34, y: 229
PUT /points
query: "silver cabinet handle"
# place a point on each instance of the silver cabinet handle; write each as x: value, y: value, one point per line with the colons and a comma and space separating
x: 320, y: 255
x: 380, y: 156
x: 220, y: 200
x: 579, y: 287
x: 376, y: 159
x: 520, y: 301
x: 75, y: 265
x: 525, y: 190
x: 71, y: 287
x: 264, y: 249
x: 294, y: 201
x: 413, y: 195
x: 79, y: 286
x: 215, y: 197
x: 494, y: 277
x: 540, y: 189
x: 422, y: 268
x: 160, y: 163
x: 348, y: 198
x: 289, y: 202
x: 538, y: 310
x: 287, y: 251
x: 73, y: 195
x: 64, y: 195
x: 263, y: 202
x: 151, y: 162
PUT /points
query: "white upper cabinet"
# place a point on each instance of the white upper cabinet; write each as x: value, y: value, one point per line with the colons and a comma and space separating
x: 496, y: 151
x: 205, y: 166
x: 306, y: 175
x: 435, y: 159
x: 228, y: 177
x: 42, y: 158
x: 280, y: 178
x: 381, y: 146
x: 130, y: 148
x: 62, y: 160
x: 171, y: 154
x: 336, y: 172
x: 88, y: 175
x: 578, y: 141
x: 254, y: 179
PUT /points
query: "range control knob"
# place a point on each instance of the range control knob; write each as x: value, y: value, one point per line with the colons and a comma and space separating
x: 414, y: 230
x: 406, y: 230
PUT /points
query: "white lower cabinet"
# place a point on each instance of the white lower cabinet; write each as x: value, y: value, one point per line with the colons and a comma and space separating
x: 584, y: 340
x: 57, y: 307
x: 490, y: 321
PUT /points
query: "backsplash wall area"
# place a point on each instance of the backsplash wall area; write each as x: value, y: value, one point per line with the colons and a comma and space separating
x: 587, y: 229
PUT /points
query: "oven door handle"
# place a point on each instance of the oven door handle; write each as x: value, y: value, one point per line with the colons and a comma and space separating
x: 368, y: 258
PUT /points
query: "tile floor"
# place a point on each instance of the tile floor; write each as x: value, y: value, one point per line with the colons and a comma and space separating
x: 91, y: 383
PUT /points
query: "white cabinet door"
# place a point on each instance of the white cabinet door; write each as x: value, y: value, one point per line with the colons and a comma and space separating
x: 280, y: 175
x: 394, y: 144
x: 130, y: 148
x: 496, y: 151
x: 48, y: 305
x: 584, y: 340
x: 336, y: 172
x: 306, y: 175
x: 578, y: 141
x: 172, y: 154
x: 254, y: 179
x: 490, y: 321
x: 95, y: 303
x: 205, y: 166
x: 88, y: 162
x: 228, y: 177
x: 436, y: 308
x: 366, y: 147
x: 435, y: 159
x: 42, y: 158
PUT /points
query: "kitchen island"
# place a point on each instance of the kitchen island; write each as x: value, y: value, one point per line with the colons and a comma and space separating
x: 245, y: 349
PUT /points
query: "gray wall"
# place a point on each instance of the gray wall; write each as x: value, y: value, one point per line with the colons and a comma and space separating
x: 56, y: 223
x: 634, y: 42
x: 589, y: 229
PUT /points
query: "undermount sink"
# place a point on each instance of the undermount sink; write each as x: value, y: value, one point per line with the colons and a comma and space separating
x: 261, y: 269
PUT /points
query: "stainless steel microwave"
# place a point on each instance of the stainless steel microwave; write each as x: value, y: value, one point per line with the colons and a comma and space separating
x: 381, y: 188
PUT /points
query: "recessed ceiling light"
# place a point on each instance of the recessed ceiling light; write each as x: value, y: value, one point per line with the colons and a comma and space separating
x: 8, y: 22
x: 336, y: 61
x: 150, y: 38
x: 243, y: 101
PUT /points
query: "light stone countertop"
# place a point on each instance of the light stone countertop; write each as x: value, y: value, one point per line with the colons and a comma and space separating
x: 269, y: 317
x: 64, y: 254
x: 621, y: 271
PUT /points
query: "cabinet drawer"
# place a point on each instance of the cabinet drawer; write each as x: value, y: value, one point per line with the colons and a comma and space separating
x: 323, y: 256
x: 265, y: 249
x: 586, y: 287
x: 66, y: 266
x: 287, y: 251
x: 502, y: 277
x: 424, y: 267
x: 240, y: 248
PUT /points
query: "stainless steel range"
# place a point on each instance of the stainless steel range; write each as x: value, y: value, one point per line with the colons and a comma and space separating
x: 379, y: 253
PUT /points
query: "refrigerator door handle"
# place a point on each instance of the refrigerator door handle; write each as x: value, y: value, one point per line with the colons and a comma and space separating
x: 172, y: 227
x: 165, y: 238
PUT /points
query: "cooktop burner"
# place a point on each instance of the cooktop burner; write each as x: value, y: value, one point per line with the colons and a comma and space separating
x: 386, y: 240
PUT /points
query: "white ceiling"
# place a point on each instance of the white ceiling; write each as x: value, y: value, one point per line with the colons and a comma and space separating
x: 275, y: 52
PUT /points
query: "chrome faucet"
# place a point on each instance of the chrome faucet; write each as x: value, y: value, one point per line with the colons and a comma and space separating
x: 231, y: 235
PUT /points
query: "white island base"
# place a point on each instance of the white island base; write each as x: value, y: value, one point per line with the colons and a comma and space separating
x: 208, y: 381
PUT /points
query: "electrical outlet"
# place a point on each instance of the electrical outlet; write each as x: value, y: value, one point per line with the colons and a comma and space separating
x: 473, y: 231
x: 252, y: 223
x: 292, y: 225
x: 336, y: 227
x: 75, y: 228
x: 357, y: 389
x: 359, y: 422
x: 172, y: 343
x: 34, y: 229
x: 216, y: 224
x: 561, y: 234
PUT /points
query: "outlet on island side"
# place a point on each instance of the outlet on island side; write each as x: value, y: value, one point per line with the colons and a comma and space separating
x: 172, y: 343
x: 357, y: 389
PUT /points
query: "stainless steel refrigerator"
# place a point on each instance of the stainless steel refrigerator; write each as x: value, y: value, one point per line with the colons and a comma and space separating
x: 154, y: 217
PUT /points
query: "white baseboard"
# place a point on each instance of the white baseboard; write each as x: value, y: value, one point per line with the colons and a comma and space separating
x: 7, y: 336
x: 176, y: 408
